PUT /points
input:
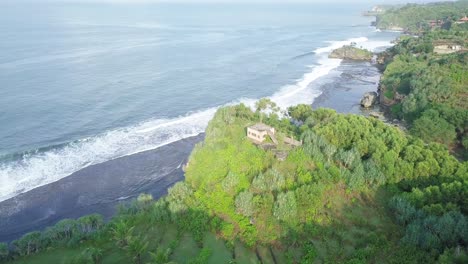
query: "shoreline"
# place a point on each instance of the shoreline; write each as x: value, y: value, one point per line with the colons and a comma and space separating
x: 152, y: 171
x: 346, y: 90
x: 82, y: 193
x: 99, y: 188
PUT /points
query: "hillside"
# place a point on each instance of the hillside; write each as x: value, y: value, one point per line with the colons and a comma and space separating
x: 425, y: 83
x: 418, y: 18
x: 356, y: 191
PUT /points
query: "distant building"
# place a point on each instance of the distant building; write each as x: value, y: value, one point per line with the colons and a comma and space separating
x: 259, y: 132
x: 462, y: 20
x: 445, y: 47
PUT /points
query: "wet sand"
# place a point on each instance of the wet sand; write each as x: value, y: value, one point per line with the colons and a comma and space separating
x: 345, y: 90
x: 96, y: 189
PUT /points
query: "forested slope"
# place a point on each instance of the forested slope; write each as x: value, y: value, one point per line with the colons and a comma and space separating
x: 430, y: 90
x: 356, y: 191
x: 416, y: 18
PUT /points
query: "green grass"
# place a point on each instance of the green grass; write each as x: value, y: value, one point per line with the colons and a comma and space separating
x: 244, y: 254
x: 170, y: 236
x: 389, y: 94
x: 279, y: 255
x: 219, y: 252
x: 49, y: 257
x: 186, y: 250
x: 265, y: 255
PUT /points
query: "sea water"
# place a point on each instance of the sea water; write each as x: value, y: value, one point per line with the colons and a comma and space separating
x: 81, y: 84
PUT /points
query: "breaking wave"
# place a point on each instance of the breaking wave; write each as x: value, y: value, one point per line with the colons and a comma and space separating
x: 40, y: 168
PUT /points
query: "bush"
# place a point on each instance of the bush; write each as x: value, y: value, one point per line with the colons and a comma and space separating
x: 4, y: 252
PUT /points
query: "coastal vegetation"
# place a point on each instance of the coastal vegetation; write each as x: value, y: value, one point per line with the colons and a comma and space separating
x: 351, y: 52
x: 425, y: 83
x: 419, y: 18
x: 356, y: 191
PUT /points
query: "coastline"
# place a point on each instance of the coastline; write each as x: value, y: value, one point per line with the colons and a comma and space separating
x: 99, y: 188
x: 83, y: 193
x: 152, y: 171
x: 346, y: 90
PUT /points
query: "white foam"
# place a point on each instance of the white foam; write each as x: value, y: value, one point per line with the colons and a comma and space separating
x: 302, y: 92
x: 39, y: 169
x: 338, y: 44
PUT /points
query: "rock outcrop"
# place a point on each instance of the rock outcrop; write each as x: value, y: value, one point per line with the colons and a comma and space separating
x: 351, y: 53
x: 369, y: 99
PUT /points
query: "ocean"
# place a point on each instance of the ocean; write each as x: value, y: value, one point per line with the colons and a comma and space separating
x: 84, y: 85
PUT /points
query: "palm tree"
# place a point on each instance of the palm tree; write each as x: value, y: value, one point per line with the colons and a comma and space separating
x: 122, y: 233
x: 136, y: 248
x: 161, y: 256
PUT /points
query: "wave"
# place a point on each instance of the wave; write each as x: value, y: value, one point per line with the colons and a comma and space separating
x: 37, y: 168
x: 40, y: 168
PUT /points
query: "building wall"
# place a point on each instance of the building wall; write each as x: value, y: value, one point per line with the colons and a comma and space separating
x: 256, y: 135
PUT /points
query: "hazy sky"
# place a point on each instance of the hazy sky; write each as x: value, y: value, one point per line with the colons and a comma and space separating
x: 231, y: 1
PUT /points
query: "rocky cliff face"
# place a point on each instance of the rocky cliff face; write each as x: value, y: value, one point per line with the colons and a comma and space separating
x: 351, y: 53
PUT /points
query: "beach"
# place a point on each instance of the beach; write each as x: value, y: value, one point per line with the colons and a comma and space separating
x: 100, y: 188
x: 347, y: 88
x: 109, y: 103
x: 96, y: 189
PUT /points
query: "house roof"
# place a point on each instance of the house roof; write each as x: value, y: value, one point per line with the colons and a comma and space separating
x: 464, y: 19
x: 261, y: 127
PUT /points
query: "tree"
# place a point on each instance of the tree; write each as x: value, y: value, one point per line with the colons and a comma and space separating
x: 265, y: 104
x: 286, y: 207
x: 161, y: 256
x: 122, y: 233
x: 144, y: 201
x: 136, y: 248
x: 178, y: 197
x: 300, y: 112
x: 433, y: 128
x: 28, y: 244
x: 4, y: 252
x: 244, y: 204
x: 88, y: 256
x: 90, y: 223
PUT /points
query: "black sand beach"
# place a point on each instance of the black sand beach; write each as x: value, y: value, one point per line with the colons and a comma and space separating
x: 344, y: 92
x: 99, y: 188
x: 96, y: 189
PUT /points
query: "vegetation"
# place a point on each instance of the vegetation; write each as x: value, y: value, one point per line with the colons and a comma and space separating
x: 351, y: 53
x: 428, y: 89
x: 357, y: 191
x: 417, y: 18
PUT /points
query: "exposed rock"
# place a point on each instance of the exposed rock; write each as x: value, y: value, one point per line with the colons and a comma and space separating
x: 351, y: 53
x: 369, y: 99
x: 376, y: 115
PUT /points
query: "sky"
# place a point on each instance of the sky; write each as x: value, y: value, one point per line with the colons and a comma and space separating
x: 232, y: 1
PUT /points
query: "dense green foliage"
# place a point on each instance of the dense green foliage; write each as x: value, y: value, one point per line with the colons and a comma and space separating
x: 429, y: 90
x: 416, y: 18
x: 356, y: 191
